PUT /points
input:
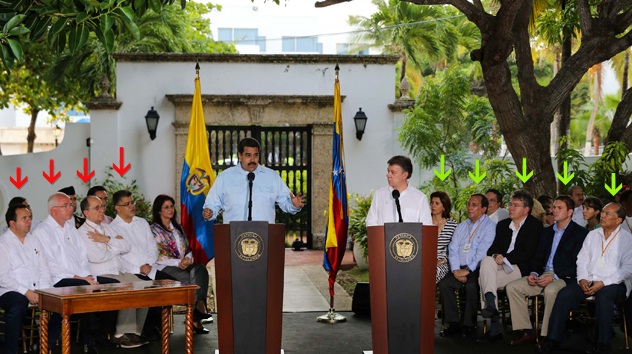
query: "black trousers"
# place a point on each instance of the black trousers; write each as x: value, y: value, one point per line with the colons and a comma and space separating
x: 93, y: 325
x: 448, y: 287
x: 569, y: 299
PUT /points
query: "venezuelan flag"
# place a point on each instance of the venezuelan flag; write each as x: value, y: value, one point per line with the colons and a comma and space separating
x: 197, y: 178
x: 338, y: 214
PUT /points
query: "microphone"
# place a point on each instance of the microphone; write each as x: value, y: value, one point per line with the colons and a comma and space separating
x: 399, y: 208
x: 251, y: 177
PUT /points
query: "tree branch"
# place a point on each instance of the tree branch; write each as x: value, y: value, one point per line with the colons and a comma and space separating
x: 585, y: 19
x: 474, y: 13
x: 598, y: 48
x: 325, y: 3
x: 530, y: 89
x: 619, y: 129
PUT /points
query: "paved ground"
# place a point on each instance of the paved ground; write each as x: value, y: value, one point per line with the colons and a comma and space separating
x: 305, y: 298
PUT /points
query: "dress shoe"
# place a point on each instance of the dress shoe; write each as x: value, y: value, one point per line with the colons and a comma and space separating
x: 489, y: 312
x: 200, y: 330
x: 468, y: 332
x: 489, y: 338
x: 201, y: 315
x: 524, y: 339
x: 548, y: 347
x: 451, y: 331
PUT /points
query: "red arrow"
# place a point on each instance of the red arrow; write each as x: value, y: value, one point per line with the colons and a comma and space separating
x: 19, y: 182
x: 122, y: 169
x: 52, y: 177
x: 85, y: 176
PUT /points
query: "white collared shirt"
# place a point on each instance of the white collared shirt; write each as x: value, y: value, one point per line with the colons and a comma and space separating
x: 23, y: 266
x: 143, y: 245
x: 413, y: 203
x: 616, y: 266
x: 499, y: 215
x: 65, y: 253
x: 104, y: 258
x: 514, y: 234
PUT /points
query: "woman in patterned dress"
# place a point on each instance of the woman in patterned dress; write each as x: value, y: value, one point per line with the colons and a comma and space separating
x: 440, y: 208
x: 175, y: 257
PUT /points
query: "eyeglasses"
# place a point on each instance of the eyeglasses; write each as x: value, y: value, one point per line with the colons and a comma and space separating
x: 63, y: 206
x: 127, y: 205
x: 167, y: 207
x: 515, y: 205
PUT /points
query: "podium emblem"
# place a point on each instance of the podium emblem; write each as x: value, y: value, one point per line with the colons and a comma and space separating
x: 249, y: 246
x: 403, y: 247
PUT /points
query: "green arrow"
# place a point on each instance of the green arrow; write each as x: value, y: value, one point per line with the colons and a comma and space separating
x: 567, y: 178
x: 443, y: 174
x: 478, y: 177
x: 524, y: 177
x: 614, y: 189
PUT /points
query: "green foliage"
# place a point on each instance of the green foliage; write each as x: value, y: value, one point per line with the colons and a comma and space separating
x: 357, y: 221
x: 113, y: 183
x: 610, y: 161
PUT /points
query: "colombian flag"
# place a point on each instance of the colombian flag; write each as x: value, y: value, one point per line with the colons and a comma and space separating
x: 337, y: 214
x: 197, y: 179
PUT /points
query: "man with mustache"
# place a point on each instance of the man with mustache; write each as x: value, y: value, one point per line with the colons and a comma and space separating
x: 230, y: 192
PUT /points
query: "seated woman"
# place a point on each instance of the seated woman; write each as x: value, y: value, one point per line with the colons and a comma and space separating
x: 175, y: 256
x: 440, y: 208
x: 592, y: 209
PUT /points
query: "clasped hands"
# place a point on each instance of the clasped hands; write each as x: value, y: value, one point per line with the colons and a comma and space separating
x: 590, y: 287
x: 540, y: 281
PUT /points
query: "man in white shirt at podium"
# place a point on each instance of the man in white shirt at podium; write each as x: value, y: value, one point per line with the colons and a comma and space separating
x: 412, y: 203
x: 236, y: 185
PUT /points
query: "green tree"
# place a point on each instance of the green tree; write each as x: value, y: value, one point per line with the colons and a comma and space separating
x: 524, y: 114
x: 67, y: 24
x: 28, y: 86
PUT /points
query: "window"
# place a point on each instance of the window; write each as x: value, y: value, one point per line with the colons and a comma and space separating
x: 344, y: 48
x: 301, y: 44
x: 243, y: 36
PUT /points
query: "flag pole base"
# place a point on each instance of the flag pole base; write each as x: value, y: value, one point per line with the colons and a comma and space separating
x: 331, y: 317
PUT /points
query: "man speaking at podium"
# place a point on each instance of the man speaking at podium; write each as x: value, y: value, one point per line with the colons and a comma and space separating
x: 399, y: 201
x: 249, y: 183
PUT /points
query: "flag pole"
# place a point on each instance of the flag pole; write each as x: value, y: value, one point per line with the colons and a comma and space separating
x: 331, y: 316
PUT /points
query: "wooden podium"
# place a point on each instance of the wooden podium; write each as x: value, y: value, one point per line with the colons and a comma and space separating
x: 402, y: 271
x: 249, y: 263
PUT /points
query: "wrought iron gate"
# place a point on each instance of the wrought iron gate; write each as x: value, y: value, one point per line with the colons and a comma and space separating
x: 287, y: 150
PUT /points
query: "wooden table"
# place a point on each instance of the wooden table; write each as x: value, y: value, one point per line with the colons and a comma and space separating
x: 108, y: 297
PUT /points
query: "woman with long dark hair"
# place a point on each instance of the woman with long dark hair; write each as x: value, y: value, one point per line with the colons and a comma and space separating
x: 175, y: 257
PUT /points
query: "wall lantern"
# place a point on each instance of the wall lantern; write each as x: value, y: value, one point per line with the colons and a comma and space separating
x: 56, y: 134
x: 360, y: 123
x: 152, y: 118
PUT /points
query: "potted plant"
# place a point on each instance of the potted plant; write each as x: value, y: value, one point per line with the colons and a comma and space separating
x: 357, y: 229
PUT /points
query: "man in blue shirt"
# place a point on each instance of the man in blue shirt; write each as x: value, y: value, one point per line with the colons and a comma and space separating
x: 230, y: 192
x: 469, y: 245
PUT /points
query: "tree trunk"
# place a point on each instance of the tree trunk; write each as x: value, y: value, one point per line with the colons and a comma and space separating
x: 554, y: 127
x: 30, y: 137
x: 626, y: 67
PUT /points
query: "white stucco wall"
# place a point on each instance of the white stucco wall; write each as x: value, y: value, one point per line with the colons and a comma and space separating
x: 145, y: 83
x: 141, y: 85
x: 68, y: 158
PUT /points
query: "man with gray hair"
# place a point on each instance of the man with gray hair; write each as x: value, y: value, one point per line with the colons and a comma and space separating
x: 577, y: 194
x: 104, y: 248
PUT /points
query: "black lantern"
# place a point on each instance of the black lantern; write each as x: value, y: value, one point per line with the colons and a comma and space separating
x: 152, y: 118
x: 360, y: 123
x: 56, y: 134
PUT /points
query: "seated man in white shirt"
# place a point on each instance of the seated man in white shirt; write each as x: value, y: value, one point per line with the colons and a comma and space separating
x: 23, y: 269
x: 399, y: 197
x: 604, y: 270
x: 143, y: 254
x: 67, y: 259
x: 104, y: 248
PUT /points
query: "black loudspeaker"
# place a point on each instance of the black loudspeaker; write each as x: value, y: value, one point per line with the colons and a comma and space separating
x: 361, y: 304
